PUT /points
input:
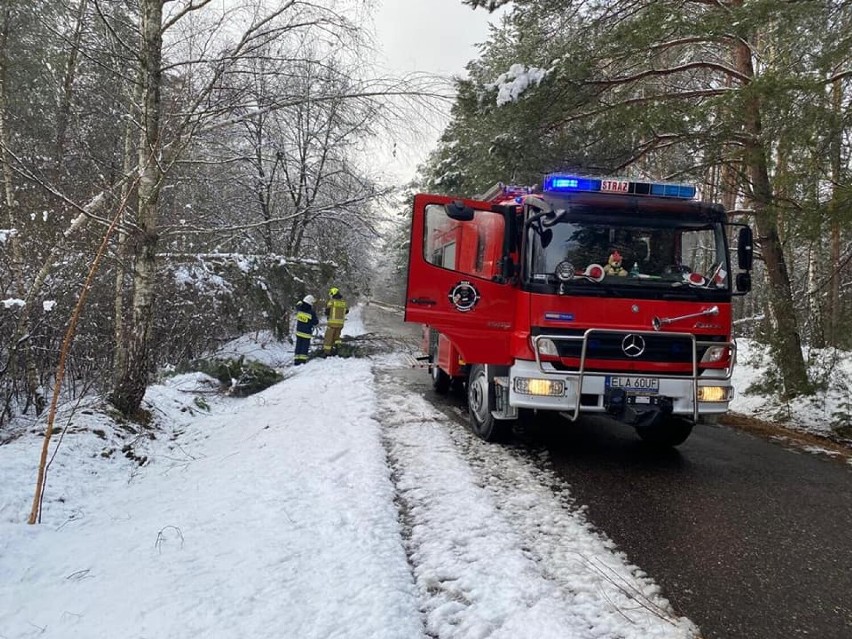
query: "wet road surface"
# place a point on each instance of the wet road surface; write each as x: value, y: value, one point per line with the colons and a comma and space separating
x: 746, y: 538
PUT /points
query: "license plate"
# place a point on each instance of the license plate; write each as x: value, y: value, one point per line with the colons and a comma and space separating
x: 631, y: 384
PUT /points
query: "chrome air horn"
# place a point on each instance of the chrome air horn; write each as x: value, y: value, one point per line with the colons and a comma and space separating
x: 658, y: 323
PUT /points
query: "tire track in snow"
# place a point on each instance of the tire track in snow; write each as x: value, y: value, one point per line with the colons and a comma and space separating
x: 495, y: 552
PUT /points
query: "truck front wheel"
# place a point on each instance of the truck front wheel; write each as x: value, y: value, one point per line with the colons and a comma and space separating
x: 671, y: 431
x: 440, y: 380
x: 480, y: 403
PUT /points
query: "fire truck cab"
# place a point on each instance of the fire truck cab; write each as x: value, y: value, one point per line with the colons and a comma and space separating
x: 590, y: 295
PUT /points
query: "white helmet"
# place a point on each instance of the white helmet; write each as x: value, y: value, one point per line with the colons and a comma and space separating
x: 310, y: 299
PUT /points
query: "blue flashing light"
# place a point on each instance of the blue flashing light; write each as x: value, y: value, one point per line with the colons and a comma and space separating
x: 661, y: 189
x: 566, y: 183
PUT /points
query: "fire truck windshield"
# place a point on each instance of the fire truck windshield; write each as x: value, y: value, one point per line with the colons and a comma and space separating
x: 612, y: 250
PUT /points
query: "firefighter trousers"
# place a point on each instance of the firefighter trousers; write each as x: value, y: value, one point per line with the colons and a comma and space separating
x: 303, y: 344
x: 332, y: 339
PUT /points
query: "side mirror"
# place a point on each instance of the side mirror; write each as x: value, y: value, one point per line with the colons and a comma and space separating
x: 745, y: 249
x: 538, y: 204
x: 458, y: 211
x: 744, y: 282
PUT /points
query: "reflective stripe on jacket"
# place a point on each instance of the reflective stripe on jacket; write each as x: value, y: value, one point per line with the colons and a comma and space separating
x: 336, y: 311
x: 306, y: 319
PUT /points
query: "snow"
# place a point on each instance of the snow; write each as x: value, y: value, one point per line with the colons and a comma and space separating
x: 512, y: 84
x: 333, y: 504
x: 200, y: 277
x: 819, y: 413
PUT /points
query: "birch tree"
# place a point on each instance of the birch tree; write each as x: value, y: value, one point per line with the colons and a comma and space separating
x: 151, y: 105
x: 216, y: 100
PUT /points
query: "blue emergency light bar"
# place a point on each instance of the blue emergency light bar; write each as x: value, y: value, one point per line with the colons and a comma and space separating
x: 562, y: 183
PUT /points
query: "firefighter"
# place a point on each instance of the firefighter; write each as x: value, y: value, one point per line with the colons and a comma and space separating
x: 306, y: 319
x: 335, y: 311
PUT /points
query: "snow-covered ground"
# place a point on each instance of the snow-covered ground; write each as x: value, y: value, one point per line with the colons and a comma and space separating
x: 320, y: 507
x: 819, y: 414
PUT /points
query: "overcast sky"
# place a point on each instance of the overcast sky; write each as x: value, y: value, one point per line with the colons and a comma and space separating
x: 429, y: 36
x: 437, y: 36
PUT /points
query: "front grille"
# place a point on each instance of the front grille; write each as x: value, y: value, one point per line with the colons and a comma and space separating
x: 592, y: 366
x: 661, y: 348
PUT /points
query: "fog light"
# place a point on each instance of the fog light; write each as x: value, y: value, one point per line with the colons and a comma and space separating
x: 714, y: 393
x: 550, y: 387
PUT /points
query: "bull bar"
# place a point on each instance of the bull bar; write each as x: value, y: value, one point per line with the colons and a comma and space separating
x: 578, y: 375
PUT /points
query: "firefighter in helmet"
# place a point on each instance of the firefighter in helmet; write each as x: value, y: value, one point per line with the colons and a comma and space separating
x: 306, y: 319
x: 335, y: 311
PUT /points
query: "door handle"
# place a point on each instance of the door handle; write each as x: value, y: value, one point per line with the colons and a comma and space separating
x: 425, y: 301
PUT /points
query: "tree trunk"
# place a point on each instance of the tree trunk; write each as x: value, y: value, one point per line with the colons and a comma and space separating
x: 263, y: 183
x: 785, y: 338
x: 64, y: 112
x: 133, y: 380
x: 833, y: 314
x: 120, y: 353
x: 816, y: 258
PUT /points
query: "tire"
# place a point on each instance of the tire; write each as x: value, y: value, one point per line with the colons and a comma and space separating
x: 440, y: 380
x: 480, y: 403
x: 532, y: 418
x: 672, y: 431
x: 459, y: 386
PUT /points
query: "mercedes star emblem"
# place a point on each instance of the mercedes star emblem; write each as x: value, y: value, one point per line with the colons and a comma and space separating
x: 633, y: 345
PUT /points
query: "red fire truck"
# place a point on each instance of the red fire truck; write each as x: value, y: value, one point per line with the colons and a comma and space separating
x: 589, y: 296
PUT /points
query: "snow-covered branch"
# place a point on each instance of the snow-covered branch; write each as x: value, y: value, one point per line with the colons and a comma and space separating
x: 705, y: 65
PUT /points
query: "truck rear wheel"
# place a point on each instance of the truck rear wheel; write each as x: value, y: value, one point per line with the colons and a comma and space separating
x: 480, y: 403
x: 672, y: 431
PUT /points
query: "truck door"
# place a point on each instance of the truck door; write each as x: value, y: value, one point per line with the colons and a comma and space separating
x: 455, y: 282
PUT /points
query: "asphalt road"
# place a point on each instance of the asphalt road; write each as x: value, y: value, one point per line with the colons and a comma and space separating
x: 748, y: 539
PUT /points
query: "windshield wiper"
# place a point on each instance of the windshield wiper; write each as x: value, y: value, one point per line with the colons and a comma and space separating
x: 581, y: 285
x: 681, y: 294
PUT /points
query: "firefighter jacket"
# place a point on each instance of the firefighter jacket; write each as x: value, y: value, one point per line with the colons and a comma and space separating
x: 336, y: 310
x: 306, y: 319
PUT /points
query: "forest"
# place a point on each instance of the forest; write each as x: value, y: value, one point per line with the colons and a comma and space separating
x: 178, y: 172
x: 175, y: 173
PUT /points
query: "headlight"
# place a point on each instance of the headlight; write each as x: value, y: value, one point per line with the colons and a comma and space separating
x: 546, y: 346
x: 530, y: 386
x: 715, y: 393
x: 714, y: 354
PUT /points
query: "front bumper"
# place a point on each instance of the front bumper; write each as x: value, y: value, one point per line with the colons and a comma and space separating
x: 586, y: 392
